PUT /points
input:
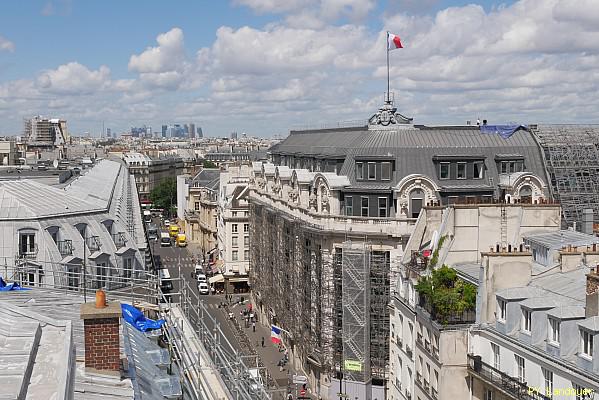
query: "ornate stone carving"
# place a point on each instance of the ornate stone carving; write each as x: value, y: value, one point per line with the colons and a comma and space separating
x: 276, y: 188
x: 313, y: 202
x: 324, y: 200
x: 293, y: 195
x: 388, y: 115
x: 261, y: 182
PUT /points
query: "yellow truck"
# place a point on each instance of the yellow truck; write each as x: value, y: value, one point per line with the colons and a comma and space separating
x: 173, y: 230
x: 181, y: 240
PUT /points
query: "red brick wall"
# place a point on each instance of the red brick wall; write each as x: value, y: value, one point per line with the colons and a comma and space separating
x: 102, y: 344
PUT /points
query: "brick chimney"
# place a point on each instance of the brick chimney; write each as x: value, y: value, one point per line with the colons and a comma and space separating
x: 592, y: 304
x: 101, y: 329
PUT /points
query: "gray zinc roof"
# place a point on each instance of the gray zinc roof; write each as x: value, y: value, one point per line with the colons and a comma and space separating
x: 558, y: 239
x: 207, y: 177
x: 413, y: 149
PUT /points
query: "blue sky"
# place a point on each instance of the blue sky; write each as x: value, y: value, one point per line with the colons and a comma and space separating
x: 267, y: 66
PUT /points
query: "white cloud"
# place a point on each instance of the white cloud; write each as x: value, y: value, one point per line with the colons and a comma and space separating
x: 74, y: 79
x: 530, y: 62
x: 6, y: 44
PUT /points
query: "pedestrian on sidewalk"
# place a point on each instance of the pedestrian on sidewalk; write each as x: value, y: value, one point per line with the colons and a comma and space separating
x: 254, y: 326
x: 262, y: 338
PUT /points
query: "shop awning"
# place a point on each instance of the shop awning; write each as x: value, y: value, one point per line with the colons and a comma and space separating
x: 216, y: 278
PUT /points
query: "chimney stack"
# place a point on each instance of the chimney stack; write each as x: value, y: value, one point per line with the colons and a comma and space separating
x: 592, y: 303
x: 101, y: 330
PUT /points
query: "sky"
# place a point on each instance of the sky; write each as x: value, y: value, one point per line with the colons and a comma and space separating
x: 265, y: 67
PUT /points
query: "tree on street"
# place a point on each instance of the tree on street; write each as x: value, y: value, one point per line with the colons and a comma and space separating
x: 164, y: 195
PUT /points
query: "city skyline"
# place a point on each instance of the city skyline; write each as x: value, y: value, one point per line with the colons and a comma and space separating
x: 309, y: 63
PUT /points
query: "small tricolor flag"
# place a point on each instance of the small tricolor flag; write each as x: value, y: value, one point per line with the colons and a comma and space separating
x: 393, y: 42
x: 275, y: 334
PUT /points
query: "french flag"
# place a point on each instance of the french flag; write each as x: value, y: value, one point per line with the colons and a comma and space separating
x: 275, y: 334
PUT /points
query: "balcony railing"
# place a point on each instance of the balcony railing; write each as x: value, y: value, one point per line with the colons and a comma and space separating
x: 29, y: 252
x: 501, y: 380
x: 119, y: 239
x: 427, y: 346
x: 425, y: 385
x: 65, y: 247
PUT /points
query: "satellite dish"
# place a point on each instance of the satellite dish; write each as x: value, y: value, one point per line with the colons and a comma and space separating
x: 55, y: 164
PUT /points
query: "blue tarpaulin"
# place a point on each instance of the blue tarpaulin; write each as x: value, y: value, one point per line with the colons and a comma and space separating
x: 137, y: 319
x: 505, y: 131
x: 5, y: 287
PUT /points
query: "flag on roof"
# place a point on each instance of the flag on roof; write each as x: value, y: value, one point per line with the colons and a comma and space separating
x: 275, y: 334
x: 393, y: 42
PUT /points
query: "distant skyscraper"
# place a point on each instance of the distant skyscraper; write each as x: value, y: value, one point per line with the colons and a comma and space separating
x: 233, y: 135
x: 192, y: 130
x: 199, y: 132
x: 164, y: 128
x: 108, y: 132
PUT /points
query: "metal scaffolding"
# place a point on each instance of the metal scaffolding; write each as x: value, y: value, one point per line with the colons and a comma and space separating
x: 311, y: 288
x: 571, y: 154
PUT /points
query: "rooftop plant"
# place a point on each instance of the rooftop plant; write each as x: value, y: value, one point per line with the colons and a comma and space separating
x: 445, y: 295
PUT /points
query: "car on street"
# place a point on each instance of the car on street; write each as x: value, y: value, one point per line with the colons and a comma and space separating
x: 167, y: 222
x: 152, y: 232
x: 201, y: 278
x: 198, y: 269
x: 165, y: 239
x: 203, y: 288
x: 166, y: 283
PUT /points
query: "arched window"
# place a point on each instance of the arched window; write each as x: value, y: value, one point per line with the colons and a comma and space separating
x: 525, y: 194
x: 416, y: 202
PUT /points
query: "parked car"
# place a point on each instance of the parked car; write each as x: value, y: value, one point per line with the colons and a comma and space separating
x: 201, y: 278
x: 167, y: 222
x: 203, y: 288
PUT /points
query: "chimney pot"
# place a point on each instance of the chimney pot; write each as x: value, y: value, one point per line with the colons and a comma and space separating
x: 101, y: 331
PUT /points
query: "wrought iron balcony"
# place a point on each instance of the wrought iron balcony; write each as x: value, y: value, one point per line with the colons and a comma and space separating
x: 65, y: 247
x: 119, y: 239
x: 28, y: 251
x: 502, y: 381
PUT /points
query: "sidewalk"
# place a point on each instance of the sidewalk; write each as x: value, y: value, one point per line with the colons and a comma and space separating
x: 269, y: 354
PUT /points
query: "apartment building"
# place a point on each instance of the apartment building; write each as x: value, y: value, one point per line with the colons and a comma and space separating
x: 150, y: 171
x: 234, y: 227
x: 531, y: 327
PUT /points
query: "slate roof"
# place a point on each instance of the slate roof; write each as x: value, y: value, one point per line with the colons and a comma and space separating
x: 208, y: 178
x: 413, y: 149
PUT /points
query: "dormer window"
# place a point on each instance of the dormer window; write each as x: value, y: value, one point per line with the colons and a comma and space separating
x: 444, y: 170
x: 501, y: 310
x: 554, y: 328
x: 526, y: 320
x: 359, y: 171
x: 386, y: 171
x: 371, y: 171
x: 586, y: 343
x: 479, y: 168
x: 461, y: 173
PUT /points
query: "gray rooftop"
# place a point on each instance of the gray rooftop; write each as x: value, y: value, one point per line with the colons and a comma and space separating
x: 41, y: 333
x: 413, y: 150
x: 208, y: 178
x: 558, y: 239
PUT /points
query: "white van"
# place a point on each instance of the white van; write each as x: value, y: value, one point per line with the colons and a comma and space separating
x: 165, y: 239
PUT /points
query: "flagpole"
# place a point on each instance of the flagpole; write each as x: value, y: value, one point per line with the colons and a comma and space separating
x: 387, y: 48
